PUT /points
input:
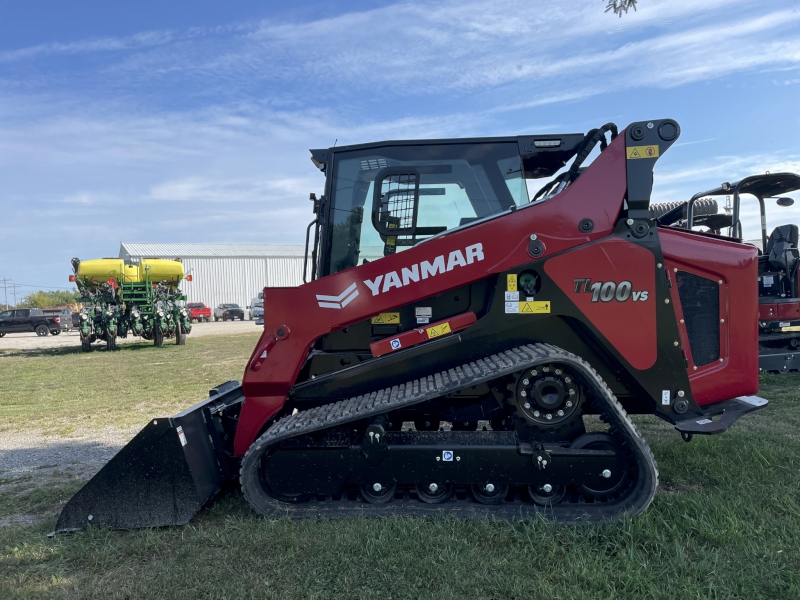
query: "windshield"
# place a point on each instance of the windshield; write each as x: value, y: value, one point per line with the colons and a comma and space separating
x: 421, y: 189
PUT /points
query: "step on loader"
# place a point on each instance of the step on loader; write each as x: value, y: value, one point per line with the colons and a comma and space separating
x: 455, y: 339
x: 778, y: 257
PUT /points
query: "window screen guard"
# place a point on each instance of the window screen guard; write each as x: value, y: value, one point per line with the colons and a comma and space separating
x: 395, y: 200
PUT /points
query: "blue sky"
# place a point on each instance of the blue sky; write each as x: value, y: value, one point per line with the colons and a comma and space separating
x: 191, y: 121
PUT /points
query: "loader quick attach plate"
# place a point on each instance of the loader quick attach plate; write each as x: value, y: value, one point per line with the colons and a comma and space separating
x: 635, y: 499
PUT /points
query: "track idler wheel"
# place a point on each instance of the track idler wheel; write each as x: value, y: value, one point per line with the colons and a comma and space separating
x: 378, y: 493
x: 489, y: 493
x: 546, y: 494
x: 434, y: 492
x: 613, y: 478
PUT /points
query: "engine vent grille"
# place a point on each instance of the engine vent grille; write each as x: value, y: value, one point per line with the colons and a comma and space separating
x: 700, y: 303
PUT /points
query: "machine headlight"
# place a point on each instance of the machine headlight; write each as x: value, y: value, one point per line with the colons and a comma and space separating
x: 84, y: 318
x: 109, y: 313
x: 135, y: 314
x: 160, y: 313
x: 183, y: 312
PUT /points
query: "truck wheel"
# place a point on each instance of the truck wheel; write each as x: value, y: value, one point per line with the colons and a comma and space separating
x: 55, y: 332
x: 2, y: 335
x: 216, y: 319
x: 158, y: 337
x: 180, y: 335
x: 42, y: 330
x: 111, y: 341
x: 208, y: 319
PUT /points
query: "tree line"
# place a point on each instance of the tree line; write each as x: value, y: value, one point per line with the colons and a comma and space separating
x: 47, y: 298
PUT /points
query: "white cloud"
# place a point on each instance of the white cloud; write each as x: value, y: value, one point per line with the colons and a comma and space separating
x: 107, y: 44
x: 243, y: 191
x: 414, y: 48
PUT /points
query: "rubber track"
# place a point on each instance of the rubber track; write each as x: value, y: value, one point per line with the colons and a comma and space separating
x: 491, y: 367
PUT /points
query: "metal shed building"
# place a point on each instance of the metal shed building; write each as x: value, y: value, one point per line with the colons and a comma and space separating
x: 226, y: 272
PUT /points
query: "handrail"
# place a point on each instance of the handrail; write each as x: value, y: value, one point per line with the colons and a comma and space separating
x: 305, y: 254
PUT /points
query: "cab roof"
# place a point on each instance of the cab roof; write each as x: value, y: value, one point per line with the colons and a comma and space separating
x: 542, y: 154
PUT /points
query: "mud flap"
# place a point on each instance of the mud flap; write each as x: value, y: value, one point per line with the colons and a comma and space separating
x: 164, y: 475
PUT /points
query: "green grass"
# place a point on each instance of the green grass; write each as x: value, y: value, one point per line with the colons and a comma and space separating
x: 63, y: 389
x: 725, y: 524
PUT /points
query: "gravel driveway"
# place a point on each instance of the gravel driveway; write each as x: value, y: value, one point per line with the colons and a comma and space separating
x: 39, y: 455
x: 31, y: 341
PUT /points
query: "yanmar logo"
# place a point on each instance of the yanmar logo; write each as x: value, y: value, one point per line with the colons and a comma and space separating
x: 340, y: 301
x: 425, y: 269
x: 414, y: 273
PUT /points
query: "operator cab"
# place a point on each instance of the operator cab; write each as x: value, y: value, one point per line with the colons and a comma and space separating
x: 385, y: 197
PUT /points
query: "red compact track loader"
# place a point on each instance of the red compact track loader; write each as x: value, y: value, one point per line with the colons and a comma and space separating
x: 778, y: 258
x: 452, y: 340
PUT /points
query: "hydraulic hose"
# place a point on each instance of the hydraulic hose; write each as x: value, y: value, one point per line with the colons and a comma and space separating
x: 592, y: 138
x: 590, y: 141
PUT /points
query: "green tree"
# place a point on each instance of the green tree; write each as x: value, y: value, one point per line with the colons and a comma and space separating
x: 621, y: 6
x: 42, y: 298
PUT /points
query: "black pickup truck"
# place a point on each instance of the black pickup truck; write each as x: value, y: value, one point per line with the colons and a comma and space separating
x: 228, y: 311
x: 23, y: 320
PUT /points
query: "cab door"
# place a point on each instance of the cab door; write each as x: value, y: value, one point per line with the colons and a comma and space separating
x: 20, y: 321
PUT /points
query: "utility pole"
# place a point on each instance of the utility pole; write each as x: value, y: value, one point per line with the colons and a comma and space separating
x: 5, y: 289
x: 14, y: 287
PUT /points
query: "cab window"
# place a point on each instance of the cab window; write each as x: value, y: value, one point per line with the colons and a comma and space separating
x: 421, y: 191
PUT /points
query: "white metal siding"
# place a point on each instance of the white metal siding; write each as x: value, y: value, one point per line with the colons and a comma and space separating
x: 232, y: 278
x: 284, y: 272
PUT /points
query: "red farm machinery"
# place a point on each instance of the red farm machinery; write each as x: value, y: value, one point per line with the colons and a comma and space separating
x: 454, y: 339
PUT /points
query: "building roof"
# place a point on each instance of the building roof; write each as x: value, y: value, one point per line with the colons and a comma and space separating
x: 211, y: 250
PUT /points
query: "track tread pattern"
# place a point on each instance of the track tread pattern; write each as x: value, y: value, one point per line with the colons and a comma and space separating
x: 439, y: 384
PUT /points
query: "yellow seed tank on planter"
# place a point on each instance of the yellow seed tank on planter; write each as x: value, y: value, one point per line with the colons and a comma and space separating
x: 157, y: 270
x: 154, y: 270
x: 102, y: 270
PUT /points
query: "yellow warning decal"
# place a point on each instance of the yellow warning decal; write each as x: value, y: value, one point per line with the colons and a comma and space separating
x: 534, y: 307
x: 438, y: 330
x: 642, y: 152
x: 512, y: 283
x: 386, y: 319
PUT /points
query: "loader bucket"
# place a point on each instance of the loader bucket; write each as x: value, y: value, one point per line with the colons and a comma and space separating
x: 163, y: 476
